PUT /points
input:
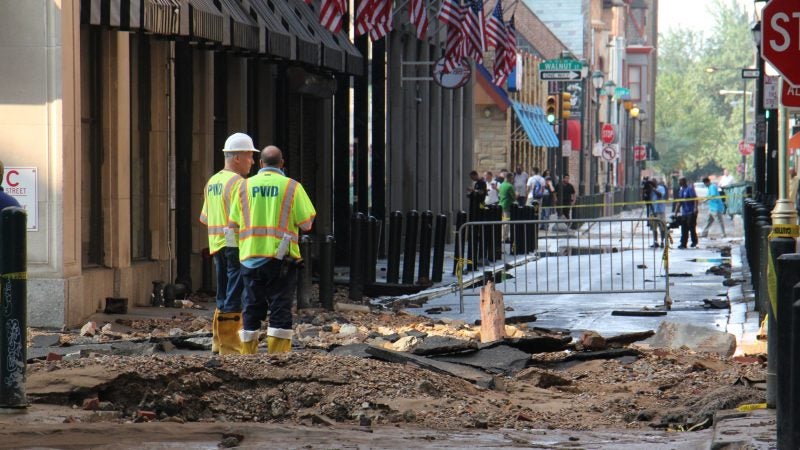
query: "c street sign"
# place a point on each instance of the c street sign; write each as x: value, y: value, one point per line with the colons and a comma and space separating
x: 750, y: 73
x: 561, y: 70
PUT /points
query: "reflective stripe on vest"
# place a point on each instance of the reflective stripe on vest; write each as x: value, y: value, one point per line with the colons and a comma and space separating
x: 217, y: 198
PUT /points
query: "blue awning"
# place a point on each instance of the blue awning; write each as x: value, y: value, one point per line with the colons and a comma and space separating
x: 534, y: 122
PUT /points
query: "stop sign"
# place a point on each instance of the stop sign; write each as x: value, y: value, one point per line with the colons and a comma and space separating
x: 780, y: 43
x: 607, y: 133
x: 745, y: 148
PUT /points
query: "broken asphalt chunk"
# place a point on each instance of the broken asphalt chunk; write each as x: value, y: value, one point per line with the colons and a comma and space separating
x: 443, y: 345
x: 499, y: 359
x: 470, y: 374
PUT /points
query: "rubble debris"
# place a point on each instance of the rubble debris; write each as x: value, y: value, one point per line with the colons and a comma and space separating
x: 601, y: 354
x: 542, y: 378
x: 716, y: 303
x: 405, y: 344
x: 438, y: 310
x: 534, y: 344
x: 357, y: 350
x: 732, y: 282
x: 393, y: 290
x: 475, y: 376
x: 89, y: 329
x: 500, y: 359
x: 674, y: 335
x: 628, y: 338
x: 638, y: 313
x: 513, y: 320
x: 591, y: 340
x: 443, y: 345
x: 45, y: 340
x: 350, y: 307
x: 230, y: 440
x: 721, y: 270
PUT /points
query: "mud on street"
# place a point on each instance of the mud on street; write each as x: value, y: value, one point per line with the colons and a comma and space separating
x: 426, y: 374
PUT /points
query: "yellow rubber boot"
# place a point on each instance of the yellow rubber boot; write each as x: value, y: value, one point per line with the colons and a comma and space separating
x: 278, y: 345
x: 215, y: 333
x: 228, y: 325
x: 249, y: 342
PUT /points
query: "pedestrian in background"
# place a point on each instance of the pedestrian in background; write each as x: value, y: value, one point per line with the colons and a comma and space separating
x: 476, y: 194
x: 223, y: 242
x: 269, y: 210
x: 566, y: 195
x: 658, y: 216
x: 507, y: 199
x: 492, y: 186
x: 5, y: 199
x: 716, y: 209
x: 687, y: 206
x: 520, y: 185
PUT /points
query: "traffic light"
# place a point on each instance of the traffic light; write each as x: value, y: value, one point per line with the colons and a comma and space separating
x: 550, y: 109
x: 566, y: 105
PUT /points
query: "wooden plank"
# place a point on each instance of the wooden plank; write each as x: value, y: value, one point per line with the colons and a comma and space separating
x: 493, y: 314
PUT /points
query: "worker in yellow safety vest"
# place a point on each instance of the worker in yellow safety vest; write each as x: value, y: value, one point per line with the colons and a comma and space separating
x: 269, y: 210
x: 223, y: 241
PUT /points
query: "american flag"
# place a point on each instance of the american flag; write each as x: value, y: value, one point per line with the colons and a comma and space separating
x: 331, y: 14
x: 505, y: 57
x: 418, y: 15
x: 374, y: 17
x: 511, y: 44
x: 496, y: 28
x: 473, y: 30
x: 452, y: 15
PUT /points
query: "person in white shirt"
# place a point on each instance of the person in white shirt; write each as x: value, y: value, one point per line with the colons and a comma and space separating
x: 492, y: 196
x: 725, y: 180
x: 534, y: 188
x: 520, y: 183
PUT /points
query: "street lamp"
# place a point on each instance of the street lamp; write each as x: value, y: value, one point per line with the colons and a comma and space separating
x: 597, y: 83
x: 610, y: 86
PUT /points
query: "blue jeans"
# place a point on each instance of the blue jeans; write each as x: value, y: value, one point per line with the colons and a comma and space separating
x: 230, y: 286
x: 270, y: 287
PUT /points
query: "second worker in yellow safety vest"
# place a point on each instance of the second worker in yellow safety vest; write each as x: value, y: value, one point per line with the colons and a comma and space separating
x: 269, y: 210
x: 223, y: 242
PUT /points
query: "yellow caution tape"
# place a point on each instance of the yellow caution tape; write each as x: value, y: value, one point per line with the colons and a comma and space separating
x: 751, y: 407
x: 460, y: 268
x: 790, y: 231
x: 15, y: 276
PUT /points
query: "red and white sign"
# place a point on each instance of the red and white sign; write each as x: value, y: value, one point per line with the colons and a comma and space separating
x: 639, y: 153
x: 608, y: 133
x: 780, y: 43
x: 790, y: 95
x: 745, y: 148
x: 20, y: 183
x: 610, y: 152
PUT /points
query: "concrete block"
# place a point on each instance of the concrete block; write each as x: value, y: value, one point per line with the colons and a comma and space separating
x: 701, y: 339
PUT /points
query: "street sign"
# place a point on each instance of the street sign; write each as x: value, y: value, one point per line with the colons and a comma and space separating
x: 745, y: 149
x: 561, y: 70
x: 780, y: 42
x: 750, y: 133
x: 750, y: 73
x: 608, y: 133
x: 621, y: 92
x: 609, y: 152
x: 566, y: 148
x: 597, y: 149
x: 639, y: 153
x: 790, y: 95
x: 771, y: 92
x: 21, y: 183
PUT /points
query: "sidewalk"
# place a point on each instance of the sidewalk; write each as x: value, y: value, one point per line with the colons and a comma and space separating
x: 734, y: 429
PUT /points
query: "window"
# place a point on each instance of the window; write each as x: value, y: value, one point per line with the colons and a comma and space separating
x: 635, y: 82
x: 140, y: 146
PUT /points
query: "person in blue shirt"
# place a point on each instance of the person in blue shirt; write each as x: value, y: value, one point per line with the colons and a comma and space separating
x: 716, y: 209
x: 657, y: 212
x: 687, y: 208
x: 5, y: 199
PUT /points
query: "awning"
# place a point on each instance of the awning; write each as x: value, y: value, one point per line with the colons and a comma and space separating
x: 273, y: 39
x: 308, y: 48
x: 497, y: 94
x: 533, y: 121
x: 154, y: 16
x: 239, y: 29
x: 574, y: 134
x: 200, y: 20
x: 353, y: 62
x: 308, y: 16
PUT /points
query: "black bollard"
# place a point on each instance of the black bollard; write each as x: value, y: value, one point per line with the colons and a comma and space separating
x: 440, y: 235
x: 795, y: 370
x: 371, y: 250
x: 747, y: 216
x: 532, y: 229
x: 425, y: 237
x: 304, y: 279
x: 461, y: 219
x: 787, y: 267
x: 357, y: 262
x: 157, y: 296
x: 13, y: 307
x: 410, y: 249
x: 758, y: 271
x: 326, y: 272
x: 518, y: 243
x: 393, y: 257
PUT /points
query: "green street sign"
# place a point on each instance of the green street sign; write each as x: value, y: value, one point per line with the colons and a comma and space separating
x: 561, y: 70
x: 621, y: 92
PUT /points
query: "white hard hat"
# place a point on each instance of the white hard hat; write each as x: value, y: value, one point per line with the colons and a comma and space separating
x: 239, y: 142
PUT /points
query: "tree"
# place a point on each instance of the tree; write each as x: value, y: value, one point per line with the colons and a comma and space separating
x: 695, y: 126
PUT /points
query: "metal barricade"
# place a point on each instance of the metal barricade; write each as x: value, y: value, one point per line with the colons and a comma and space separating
x: 597, y: 256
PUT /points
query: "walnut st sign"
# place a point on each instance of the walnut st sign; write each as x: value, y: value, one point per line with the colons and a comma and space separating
x: 780, y: 44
